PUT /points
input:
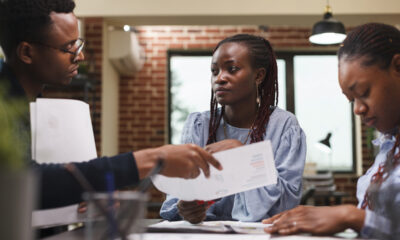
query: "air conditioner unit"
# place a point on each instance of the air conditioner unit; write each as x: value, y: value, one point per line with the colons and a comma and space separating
x: 125, y: 52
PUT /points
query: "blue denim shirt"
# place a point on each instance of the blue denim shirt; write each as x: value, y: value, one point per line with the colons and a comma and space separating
x: 289, y: 147
x: 383, y: 221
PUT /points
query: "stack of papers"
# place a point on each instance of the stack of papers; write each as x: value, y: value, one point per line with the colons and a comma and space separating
x: 185, y: 236
x: 209, y: 227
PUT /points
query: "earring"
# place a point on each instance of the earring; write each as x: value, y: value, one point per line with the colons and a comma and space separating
x: 258, y: 99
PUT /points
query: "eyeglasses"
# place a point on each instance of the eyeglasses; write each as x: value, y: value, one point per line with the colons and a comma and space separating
x: 77, y: 45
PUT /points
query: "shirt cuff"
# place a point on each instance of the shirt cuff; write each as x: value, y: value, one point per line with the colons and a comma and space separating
x: 374, y: 223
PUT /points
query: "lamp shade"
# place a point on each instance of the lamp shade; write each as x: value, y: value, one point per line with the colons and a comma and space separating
x: 328, y: 31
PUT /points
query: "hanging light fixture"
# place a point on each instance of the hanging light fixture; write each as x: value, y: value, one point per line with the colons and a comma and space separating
x: 328, y: 31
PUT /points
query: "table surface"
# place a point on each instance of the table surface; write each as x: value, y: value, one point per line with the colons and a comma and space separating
x: 79, y: 234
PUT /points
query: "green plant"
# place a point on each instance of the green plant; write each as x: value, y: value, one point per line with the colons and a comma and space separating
x: 13, y: 138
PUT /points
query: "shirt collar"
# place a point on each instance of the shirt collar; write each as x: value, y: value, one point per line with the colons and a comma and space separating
x: 384, y: 137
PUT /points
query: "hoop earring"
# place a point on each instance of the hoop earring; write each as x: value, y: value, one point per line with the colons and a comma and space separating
x: 258, y: 99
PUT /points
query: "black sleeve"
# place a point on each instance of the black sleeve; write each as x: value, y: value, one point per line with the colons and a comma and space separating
x: 57, y: 187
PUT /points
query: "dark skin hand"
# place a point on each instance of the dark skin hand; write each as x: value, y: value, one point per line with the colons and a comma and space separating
x: 316, y: 220
x: 184, y: 161
x: 192, y: 212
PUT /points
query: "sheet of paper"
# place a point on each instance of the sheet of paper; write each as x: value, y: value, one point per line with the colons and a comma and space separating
x: 184, y: 236
x: 32, y: 107
x: 58, y: 216
x: 244, y: 168
x: 211, y: 226
x: 61, y: 132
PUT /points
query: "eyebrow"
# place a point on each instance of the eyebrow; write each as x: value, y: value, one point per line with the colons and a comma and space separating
x: 226, y: 62
x: 69, y: 42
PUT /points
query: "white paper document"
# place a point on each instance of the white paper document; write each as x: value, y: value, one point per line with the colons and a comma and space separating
x: 244, y: 168
x: 210, y: 226
x: 61, y: 132
x: 185, y: 236
x: 57, y: 216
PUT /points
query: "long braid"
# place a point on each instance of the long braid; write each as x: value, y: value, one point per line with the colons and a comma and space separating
x: 375, y: 43
x: 262, y: 56
x: 215, y: 119
x: 268, y: 91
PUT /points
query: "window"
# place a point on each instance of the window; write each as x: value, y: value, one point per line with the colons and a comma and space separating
x: 321, y: 109
x: 189, y: 88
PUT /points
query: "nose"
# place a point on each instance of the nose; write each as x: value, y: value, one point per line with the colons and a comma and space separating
x: 220, y: 79
x: 79, y: 58
x: 359, y: 107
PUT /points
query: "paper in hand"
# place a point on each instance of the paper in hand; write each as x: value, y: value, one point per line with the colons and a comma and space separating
x: 244, y: 168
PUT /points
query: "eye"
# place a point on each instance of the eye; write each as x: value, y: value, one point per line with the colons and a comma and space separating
x: 233, y: 69
x: 214, y: 71
x: 365, y: 94
x: 351, y: 100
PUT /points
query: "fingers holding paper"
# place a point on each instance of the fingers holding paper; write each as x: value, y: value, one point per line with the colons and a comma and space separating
x: 192, y: 211
x: 186, y: 160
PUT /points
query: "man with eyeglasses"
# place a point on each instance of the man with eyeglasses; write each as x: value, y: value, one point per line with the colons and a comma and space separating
x: 41, y: 43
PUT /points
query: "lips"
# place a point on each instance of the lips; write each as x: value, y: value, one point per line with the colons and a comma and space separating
x: 74, y: 71
x: 221, y: 89
x: 370, y: 121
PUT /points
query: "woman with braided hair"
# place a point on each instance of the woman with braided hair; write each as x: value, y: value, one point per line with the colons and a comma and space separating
x: 369, y: 75
x: 244, y: 83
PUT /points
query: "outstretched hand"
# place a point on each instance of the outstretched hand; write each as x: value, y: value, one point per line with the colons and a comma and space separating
x: 316, y: 220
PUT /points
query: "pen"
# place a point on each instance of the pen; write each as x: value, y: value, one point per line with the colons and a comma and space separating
x: 110, y: 209
x: 77, y: 174
x: 143, y: 187
x: 145, y: 184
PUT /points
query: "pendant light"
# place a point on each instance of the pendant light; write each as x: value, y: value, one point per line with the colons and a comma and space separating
x: 328, y: 31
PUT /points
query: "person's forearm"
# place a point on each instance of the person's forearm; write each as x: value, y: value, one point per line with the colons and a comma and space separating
x: 354, y: 217
x: 145, y: 160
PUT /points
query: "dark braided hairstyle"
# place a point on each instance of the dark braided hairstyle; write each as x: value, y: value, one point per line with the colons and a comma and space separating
x: 261, y: 56
x: 376, y: 44
x: 27, y: 20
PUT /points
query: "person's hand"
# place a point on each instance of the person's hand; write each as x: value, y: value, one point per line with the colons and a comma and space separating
x: 186, y: 161
x: 316, y: 220
x: 82, y: 207
x: 192, y: 211
x: 223, y: 145
x: 183, y: 161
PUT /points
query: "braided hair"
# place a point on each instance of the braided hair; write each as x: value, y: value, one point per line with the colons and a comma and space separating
x: 27, y: 20
x: 261, y: 56
x: 376, y: 44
